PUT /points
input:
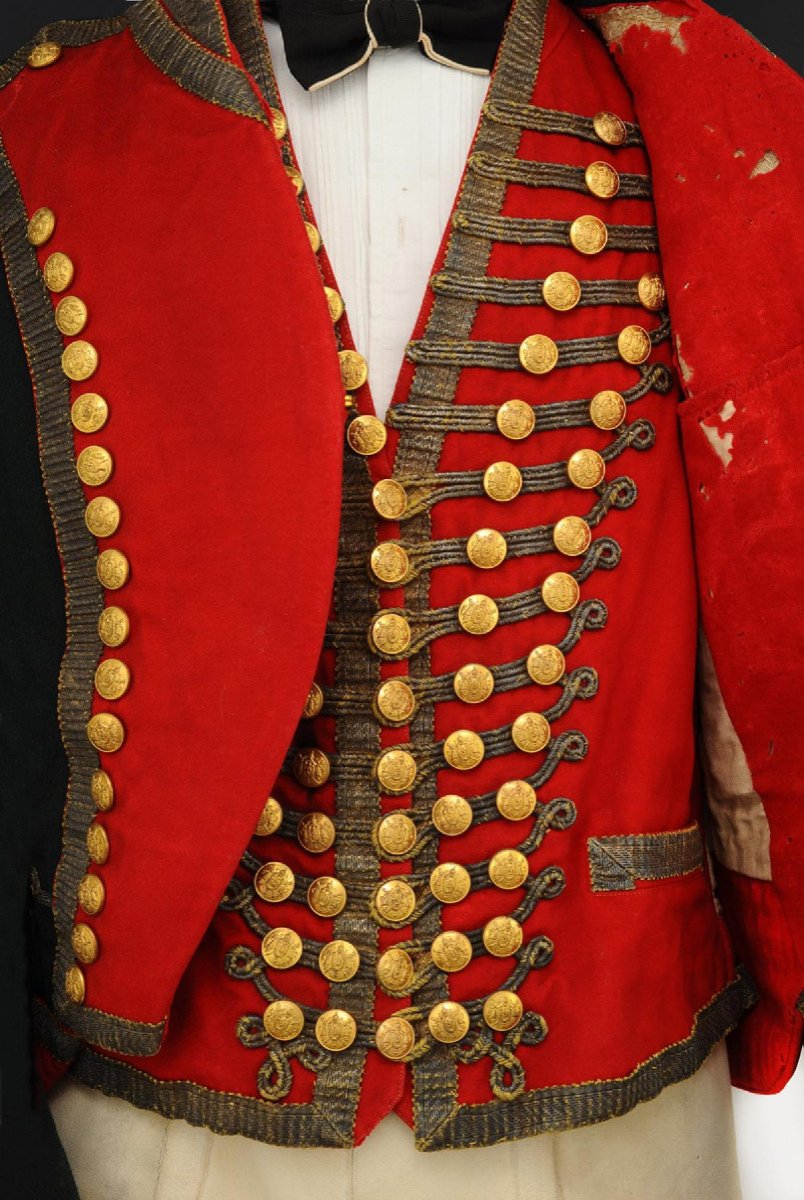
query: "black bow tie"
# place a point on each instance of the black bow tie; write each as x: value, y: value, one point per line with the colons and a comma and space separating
x: 324, y: 40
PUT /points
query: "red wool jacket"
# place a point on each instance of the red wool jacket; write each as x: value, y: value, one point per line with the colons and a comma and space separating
x: 526, y: 708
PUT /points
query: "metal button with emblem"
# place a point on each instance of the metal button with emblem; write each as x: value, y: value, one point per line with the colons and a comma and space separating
x: 336, y: 1029
x: 282, y: 947
x: 84, y: 941
x: 102, y: 516
x: 390, y: 562
x: 270, y: 818
x: 448, y: 1021
x: 395, y: 700
x: 464, y: 749
x: 315, y: 244
x: 515, y: 800
x: 366, y: 435
x: 274, y: 882
x: 58, y: 271
x: 94, y: 465
x: 397, y: 833
x: 106, y: 732
x: 283, y: 1020
x: 102, y: 790
x: 502, y: 481
x: 515, y: 420
x: 546, y: 664
x: 588, y: 234
x: 97, y: 843
x: 354, y: 371
x: 486, y: 548
x: 395, y: 900
x: 389, y: 499
x: 390, y: 633
x: 530, y: 732
x: 607, y: 409
x: 338, y: 960
x: 572, y: 536
x: 450, y: 883
x: 602, y: 180
x: 326, y: 896
x: 451, y: 951
x: 586, y: 468
x: 609, y: 128
x: 75, y: 985
x: 396, y: 771
x: 478, y: 614
x: 561, y: 291
x: 395, y: 1038
x: 44, y: 54
x: 560, y: 591
x: 296, y: 179
x: 395, y: 970
x: 91, y: 894
x: 71, y: 315
x: 473, y: 683
x: 41, y: 225
x: 651, y: 291
x: 508, y: 869
x: 113, y: 626
x: 334, y: 303
x: 316, y: 832
x: 452, y: 815
x: 79, y: 360
x: 314, y: 702
x: 502, y: 936
x: 634, y: 344
x: 112, y: 569
x: 502, y: 1010
x: 89, y: 412
x: 278, y: 123
x: 538, y: 354
x: 311, y: 767
x: 112, y: 678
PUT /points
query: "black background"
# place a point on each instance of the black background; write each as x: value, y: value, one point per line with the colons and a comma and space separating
x: 778, y: 24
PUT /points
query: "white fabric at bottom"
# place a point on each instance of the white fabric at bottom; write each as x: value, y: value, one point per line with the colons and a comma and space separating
x: 679, y: 1146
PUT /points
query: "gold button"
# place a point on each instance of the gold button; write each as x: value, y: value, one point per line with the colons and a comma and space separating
x: 270, y: 818
x: 516, y: 800
x: 311, y: 767
x: 634, y: 344
x: 106, y: 732
x: 450, y: 883
x: 283, y: 1020
x: 94, y: 465
x: 502, y: 1010
x: 338, y: 961
x: 71, y: 315
x: 314, y: 702
x: 44, y: 54
x: 396, y: 771
x: 397, y: 833
x: 651, y: 291
x: 366, y: 435
x: 334, y: 303
x: 609, y: 128
x: 389, y: 499
x: 448, y: 1021
x: 85, y: 943
x: 538, y: 354
x: 326, y: 896
x: 508, y: 869
x: 464, y: 750
x: 502, y: 481
x: 89, y: 412
x: 607, y: 409
x: 102, y: 790
x: 41, y: 226
x: 278, y: 123
x: 98, y: 843
x: 315, y: 243
x: 354, y: 373
x: 281, y: 947
x: 473, y: 683
x: 112, y: 679
x: 58, y: 271
x: 274, y: 882
x: 395, y: 700
x: 395, y: 900
x: 452, y: 815
x: 316, y: 832
x: 390, y: 562
x: 515, y: 420
x: 486, y: 548
x: 531, y: 732
x: 478, y: 614
x: 395, y: 970
x: 560, y: 591
x: 390, y: 633
x: 102, y: 516
x: 451, y: 951
x: 91, y: 894
x: 75, y: 985
x: 295, y: 177
x: 588, y: 235
x: 112, y: 569
x: 336, y: 1029
x: 502, y: 936
x: 79, y: 360
x: 546, y: 664
x: 586, y: 468
x: 572, y: 536
x: 561, y: 291
x: 602, y: 180
x: 395, y: 1038
x: 113, y: 626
